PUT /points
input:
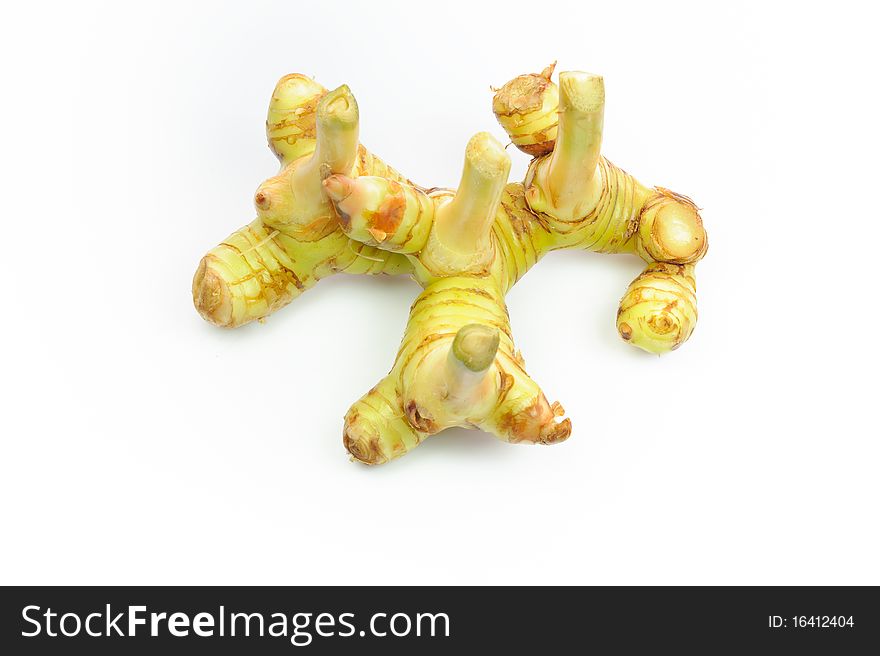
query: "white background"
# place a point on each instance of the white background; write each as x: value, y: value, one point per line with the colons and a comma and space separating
x: 141, y: 445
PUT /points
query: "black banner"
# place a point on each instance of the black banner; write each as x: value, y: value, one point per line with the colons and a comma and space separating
x: 334, y: 620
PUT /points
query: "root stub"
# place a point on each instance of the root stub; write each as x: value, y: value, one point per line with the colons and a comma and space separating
x: 671, y: 230
x: 363, y: 450
x: 362, y: 440
x: 475, y: 346
x: 211, y: 296
x: 536, y: 424
x: 554, y: 433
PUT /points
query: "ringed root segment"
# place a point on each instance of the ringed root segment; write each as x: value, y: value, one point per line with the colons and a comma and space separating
x: 295, y: 239
x: 457, y: 366
x: 334, y: 207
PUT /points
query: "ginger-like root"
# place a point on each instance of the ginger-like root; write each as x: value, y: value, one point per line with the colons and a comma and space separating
x: 295, y: 240
x: 586, y: 202
x: 457, y: 365
x: 334, y: 207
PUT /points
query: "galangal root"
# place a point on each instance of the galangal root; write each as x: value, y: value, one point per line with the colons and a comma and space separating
x: 335, y: 207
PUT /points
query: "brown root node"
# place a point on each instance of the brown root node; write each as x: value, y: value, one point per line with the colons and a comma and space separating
x: 419, y: 419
